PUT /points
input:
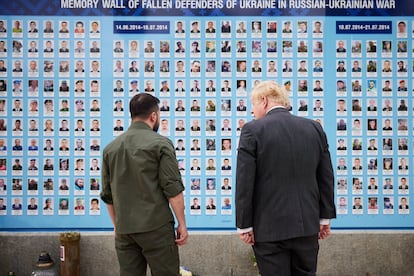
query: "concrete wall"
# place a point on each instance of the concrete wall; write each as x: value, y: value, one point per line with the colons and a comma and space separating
x: 222, y: 253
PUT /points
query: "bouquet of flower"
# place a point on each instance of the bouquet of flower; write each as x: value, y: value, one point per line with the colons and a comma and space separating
x: 185, y: 272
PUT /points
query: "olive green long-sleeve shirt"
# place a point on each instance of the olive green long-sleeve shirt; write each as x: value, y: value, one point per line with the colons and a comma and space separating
x: 139, y: 174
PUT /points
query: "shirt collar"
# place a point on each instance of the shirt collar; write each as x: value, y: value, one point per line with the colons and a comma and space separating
x: 274, y: 107
x: 139, y: 125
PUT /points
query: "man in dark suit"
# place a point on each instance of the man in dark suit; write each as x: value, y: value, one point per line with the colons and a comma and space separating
x: 95, y: 48
x: 64, y: 48
x: 241, y: 106
x: 285, y: 185
x: 240, y: 47
x: 32, y: 205
x: 48, y: 47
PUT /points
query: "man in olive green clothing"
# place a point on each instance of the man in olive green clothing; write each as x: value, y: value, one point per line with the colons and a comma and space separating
x: 141, y: 180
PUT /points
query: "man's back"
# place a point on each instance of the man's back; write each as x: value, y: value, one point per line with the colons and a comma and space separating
x: 140, y: 181
x: 293, y: 167
x: 134, y: 165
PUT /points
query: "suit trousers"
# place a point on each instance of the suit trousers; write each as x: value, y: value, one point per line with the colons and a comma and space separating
x: 156, y: 248
x: 292, y: 257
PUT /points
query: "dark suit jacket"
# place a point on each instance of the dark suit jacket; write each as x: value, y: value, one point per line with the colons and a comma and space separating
x: 285, y: 181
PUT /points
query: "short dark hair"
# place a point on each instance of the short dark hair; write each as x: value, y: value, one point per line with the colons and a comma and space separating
x: 142, y: 105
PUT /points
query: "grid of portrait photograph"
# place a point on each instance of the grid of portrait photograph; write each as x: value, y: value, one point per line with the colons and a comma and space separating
x: 206, y: 73
x: 373, y: 114
x: 50, y: 117
x: 63, y: 86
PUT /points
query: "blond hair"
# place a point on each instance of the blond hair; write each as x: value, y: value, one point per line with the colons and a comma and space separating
x: 273, y: 91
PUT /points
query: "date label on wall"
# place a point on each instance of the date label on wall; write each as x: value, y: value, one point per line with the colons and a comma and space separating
x: 142, y: 27
x: 363, y: 27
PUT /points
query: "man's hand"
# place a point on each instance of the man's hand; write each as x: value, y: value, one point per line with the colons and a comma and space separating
x: 324, y: 231
x: 247, y: 237
x: 177, y: 204
x: 182, y: 235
